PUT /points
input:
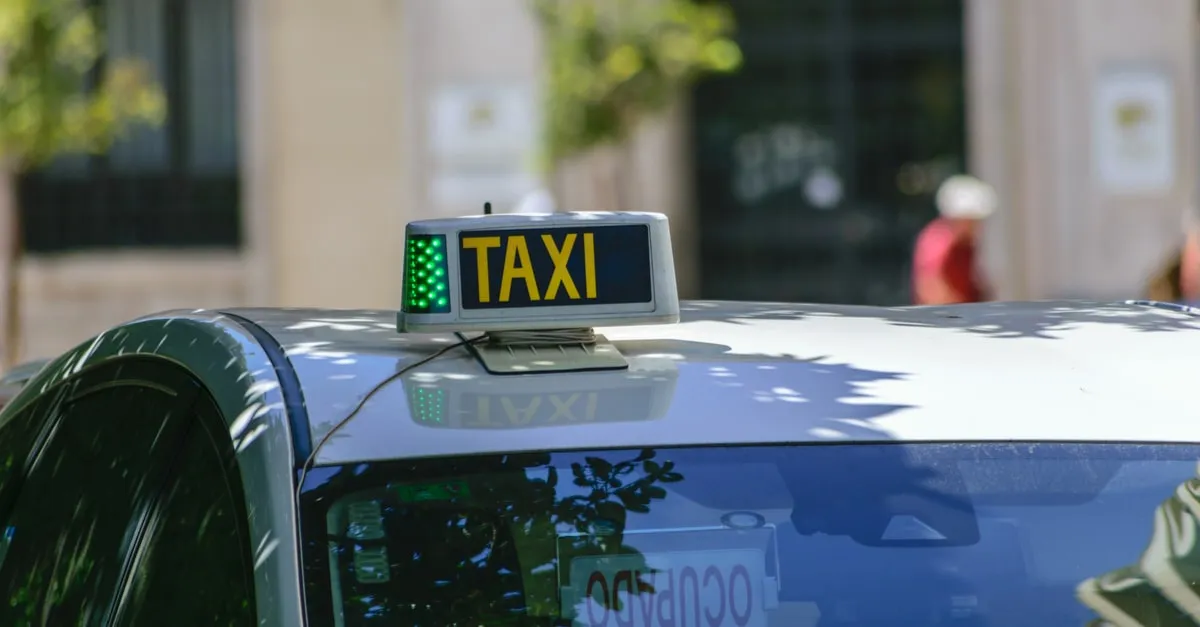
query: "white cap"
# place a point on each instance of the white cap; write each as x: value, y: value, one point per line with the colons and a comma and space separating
x: 966, y: 197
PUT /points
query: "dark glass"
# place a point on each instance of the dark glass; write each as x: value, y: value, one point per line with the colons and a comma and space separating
x: 857, y: 534
x: 196, y: 565
x: 82, y: 505
x: 19, y: 438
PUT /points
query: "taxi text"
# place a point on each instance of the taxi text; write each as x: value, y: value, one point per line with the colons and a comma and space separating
x: 519, y: 267
x: 532, y: 410
x: 673, y: 597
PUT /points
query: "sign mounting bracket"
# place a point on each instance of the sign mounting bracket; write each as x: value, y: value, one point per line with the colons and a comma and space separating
x: 501, y: 358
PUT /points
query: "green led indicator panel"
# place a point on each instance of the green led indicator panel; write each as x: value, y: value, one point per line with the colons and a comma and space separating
x: 426, y: 285
x: 427, y: 405
x: 441, y: 491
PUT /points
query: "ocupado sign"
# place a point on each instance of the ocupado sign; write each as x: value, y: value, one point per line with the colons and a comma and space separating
x: 720, y: 588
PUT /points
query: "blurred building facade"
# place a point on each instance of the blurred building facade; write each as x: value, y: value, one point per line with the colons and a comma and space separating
x: 156, y: 222
x: 1083, y: 113
x: 304, y: 135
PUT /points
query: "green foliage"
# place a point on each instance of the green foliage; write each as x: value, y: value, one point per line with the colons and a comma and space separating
x: 47, y: 49
x: 460, y: 552
x: 613, y: 62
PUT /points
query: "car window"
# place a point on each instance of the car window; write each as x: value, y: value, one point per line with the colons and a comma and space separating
x: 195, y: 565
x: 82, y: 503
x: 856, y: 535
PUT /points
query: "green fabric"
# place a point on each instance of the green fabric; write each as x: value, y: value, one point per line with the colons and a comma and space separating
x: 1163, y: 588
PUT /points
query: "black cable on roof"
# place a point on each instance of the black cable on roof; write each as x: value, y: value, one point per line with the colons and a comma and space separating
x: 312, y: 458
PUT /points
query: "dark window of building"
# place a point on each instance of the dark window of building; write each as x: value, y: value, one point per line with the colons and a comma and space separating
x: 176, y: 185
x: 816, y: 164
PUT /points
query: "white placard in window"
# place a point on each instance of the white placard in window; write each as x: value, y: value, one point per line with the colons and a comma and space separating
x: 1133, y: 122
x: 483, y: 122
x: 483, y: 146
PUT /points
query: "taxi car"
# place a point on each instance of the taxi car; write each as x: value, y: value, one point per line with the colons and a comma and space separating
x: 544, y: 434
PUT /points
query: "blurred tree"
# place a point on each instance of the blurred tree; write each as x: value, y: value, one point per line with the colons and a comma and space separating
x: 48, y: 50
x: 613, y: 63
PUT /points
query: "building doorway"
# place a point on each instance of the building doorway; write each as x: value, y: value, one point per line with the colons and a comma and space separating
x: 816, y: 164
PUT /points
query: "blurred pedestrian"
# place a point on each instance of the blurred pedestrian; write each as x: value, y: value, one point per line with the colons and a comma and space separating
x: 1179, y: 280
x: 945, y: 264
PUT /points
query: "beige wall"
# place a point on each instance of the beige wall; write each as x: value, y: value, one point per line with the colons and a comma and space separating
x: 330, y: 158
x: 1033, y: 66
x: 70, y: 298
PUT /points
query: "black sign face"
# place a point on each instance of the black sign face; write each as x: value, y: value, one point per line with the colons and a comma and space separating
x: 555, y: 267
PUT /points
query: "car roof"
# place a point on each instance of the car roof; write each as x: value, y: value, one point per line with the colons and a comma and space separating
x: 748, y: 373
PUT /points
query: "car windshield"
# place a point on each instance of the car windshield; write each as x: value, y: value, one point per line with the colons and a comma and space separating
x: 796, y: 535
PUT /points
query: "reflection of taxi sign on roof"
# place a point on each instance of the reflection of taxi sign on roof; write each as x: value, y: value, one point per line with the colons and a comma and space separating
x: 511, y: 272
x: 643, y: 392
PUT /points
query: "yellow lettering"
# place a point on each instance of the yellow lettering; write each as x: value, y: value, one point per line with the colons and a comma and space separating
x: 523, y: 416
x: 483, y: 413
x: 560, y: 256
x: 590, y: 412
x: 481, y: 246
x: 563, y: 408
x: 517, y: 251
x: 589, y: 265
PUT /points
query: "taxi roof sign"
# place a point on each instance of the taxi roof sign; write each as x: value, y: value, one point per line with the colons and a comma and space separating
x: 538, y: 271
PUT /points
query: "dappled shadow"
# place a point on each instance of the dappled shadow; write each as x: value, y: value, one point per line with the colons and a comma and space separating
x: 815, y: 397
x: 675, y: 392
x: 1038, y: 319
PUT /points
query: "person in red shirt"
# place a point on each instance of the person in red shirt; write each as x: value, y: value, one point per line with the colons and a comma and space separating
x: 1189, y: 257
x: 945, y: 267
x: 1179, y: 279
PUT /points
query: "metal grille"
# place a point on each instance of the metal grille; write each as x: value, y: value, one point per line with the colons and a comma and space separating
x: 172, y: 186
x: 816, y: 164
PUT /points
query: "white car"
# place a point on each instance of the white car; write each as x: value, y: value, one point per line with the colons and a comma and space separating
x: 544, y: 435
